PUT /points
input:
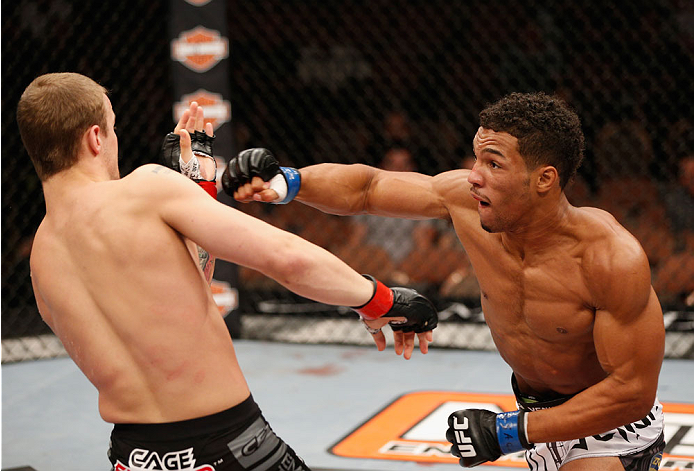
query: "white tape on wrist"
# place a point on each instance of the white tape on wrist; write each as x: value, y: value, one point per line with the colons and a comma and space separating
x: 369, y: 329
x: 279, y: 184
x: 190, y: 169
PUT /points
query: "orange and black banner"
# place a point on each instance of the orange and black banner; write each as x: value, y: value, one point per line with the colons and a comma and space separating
x: 412, y: 428
x: 200, y: 64
x: 200, y: 55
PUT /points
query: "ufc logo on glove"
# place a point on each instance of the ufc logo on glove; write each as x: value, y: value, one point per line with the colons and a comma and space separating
x: 463, y: 443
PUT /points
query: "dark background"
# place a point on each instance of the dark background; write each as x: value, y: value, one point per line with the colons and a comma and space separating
x: 316, y: 81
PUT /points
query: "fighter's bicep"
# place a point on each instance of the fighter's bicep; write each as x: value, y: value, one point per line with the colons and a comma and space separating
x: 628, y: 324
x: 225, y: 232
x: 415, y: 195
x: 629, y: 339
x: 185, y: 207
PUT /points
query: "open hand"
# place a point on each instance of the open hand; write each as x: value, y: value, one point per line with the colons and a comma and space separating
x: 193, y: 119
x: 403, y: 341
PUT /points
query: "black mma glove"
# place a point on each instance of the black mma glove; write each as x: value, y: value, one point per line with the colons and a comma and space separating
x: 260, y: 162
x: 480, y: 435
x: 419, y: 312
x: 201, y: 145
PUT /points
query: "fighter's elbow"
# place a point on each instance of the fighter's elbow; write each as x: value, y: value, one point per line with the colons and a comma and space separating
x: 637, y: 399
x: 641, y: 407
x: 285, y: 266
x: 294, y: 268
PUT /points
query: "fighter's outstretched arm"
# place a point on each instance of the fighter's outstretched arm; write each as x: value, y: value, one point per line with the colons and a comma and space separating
x: 255, y: 175
x: 297, y: 264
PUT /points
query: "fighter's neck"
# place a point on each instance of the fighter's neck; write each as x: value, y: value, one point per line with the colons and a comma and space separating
x: 63, y: 187
x: 546, y: 229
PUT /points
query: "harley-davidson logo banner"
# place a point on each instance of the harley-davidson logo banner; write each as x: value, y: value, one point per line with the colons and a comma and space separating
x: 200, y: 71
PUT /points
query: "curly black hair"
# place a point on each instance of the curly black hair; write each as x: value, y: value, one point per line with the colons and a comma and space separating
x: 548, y: 131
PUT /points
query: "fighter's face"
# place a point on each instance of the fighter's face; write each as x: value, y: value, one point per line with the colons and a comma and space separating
x: 500, y: 181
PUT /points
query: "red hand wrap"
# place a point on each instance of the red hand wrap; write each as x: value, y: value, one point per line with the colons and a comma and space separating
x: 209, y: 187
x: 379, y: 304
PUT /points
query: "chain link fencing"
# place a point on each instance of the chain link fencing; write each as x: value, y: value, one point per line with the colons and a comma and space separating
x: 386, y: 83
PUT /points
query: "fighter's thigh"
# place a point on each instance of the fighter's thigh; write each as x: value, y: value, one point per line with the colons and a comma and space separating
x: 606, y: 463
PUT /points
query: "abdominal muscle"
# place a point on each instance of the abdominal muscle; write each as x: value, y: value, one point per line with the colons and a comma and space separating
x: 547, y: 367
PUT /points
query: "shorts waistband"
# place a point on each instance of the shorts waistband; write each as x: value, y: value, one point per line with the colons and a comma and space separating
x: 529, y: 403
x: 238, y: 415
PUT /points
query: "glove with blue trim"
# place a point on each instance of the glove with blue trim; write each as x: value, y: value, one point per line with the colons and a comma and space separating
x: 480, y: 435
x: 259, y: 162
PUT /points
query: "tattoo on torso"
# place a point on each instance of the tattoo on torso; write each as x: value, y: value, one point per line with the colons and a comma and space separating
x: 206, y: 263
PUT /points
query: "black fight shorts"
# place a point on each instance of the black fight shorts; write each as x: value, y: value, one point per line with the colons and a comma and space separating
x: 237, y: 439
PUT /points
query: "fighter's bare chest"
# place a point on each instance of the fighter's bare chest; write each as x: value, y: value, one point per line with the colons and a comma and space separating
x: 547, y: 299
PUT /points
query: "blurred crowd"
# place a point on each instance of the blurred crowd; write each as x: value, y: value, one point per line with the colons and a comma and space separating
x: 427, y: 255
x: 397, y: 87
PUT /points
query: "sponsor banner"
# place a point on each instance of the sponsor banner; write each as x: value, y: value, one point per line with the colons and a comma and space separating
x: 200, y: 55
x: 200, y: 48
x: 226, y: 297
x: 413, y: 428
x: 217, y: 109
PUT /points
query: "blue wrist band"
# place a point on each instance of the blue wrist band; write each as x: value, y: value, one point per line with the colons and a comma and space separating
x: 293, y: 178
x: 507, y: 432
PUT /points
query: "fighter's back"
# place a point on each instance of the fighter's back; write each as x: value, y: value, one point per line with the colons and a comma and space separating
x: 121, y: 290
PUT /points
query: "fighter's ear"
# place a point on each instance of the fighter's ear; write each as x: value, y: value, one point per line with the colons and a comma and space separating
x: 93, y: 138
x: 546, y: 177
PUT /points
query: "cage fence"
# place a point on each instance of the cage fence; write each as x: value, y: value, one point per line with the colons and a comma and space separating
x: 381, y: 83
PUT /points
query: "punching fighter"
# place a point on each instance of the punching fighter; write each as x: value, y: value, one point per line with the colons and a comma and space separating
x: 566, y: 291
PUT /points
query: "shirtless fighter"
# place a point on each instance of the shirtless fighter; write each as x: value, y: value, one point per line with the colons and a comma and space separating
x: 116, y: 276
x: 566, y: 291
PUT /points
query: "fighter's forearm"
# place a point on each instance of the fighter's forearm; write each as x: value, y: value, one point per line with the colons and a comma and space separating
x: 313, y: 272
x: 596, y: 410
x: 335, y: 188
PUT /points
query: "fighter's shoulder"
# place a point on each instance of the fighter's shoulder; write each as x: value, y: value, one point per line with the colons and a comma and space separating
x: 610, y: 251
x: 450, y: 183
x: 154, y: 177
x: 47, y: 249
x: 452, y: 179
x: 606, y: 239
x: 453, y: 187
x: 39, y: 245
x: 151, y: 172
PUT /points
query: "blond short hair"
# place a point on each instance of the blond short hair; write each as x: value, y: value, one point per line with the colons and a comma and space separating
x: 53, y: 113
